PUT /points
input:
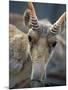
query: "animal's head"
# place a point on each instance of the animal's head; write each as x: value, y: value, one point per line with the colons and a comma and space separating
x: 41, y: 41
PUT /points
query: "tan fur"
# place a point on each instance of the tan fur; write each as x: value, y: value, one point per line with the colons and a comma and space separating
x: 40, y: 50
x: 18, y: 43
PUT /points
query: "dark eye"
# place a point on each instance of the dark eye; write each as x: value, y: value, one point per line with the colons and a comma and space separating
x: 54, y: 44
x: 30, y: 39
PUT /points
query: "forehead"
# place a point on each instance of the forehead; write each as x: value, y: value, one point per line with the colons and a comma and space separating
x: 43, y: 29
x: 42, y: 41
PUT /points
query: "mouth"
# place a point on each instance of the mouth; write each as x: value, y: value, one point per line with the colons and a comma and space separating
x: 37, y: 74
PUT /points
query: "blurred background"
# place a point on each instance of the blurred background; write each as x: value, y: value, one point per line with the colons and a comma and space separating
x: 45, y: 10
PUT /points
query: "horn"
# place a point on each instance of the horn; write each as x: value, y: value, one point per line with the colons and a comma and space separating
x: 29, y: 11
x: 61, y: 19
x: 33, y: 20
x: 31, y: 7
x: 55, y: 28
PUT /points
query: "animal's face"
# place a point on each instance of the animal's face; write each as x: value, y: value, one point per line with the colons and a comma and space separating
x: 39, y: 49
x: 40, y: 42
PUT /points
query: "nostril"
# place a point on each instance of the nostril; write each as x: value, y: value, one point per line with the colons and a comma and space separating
x: 29, y: 37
